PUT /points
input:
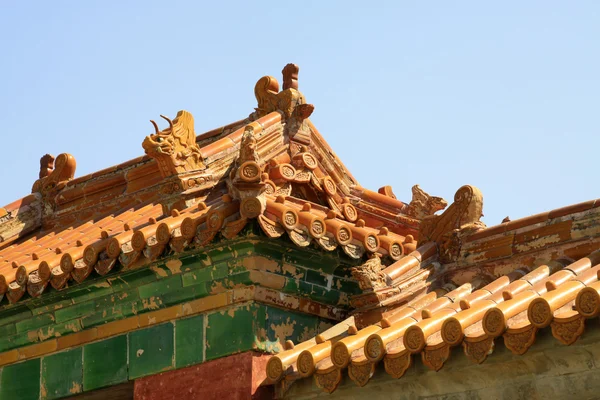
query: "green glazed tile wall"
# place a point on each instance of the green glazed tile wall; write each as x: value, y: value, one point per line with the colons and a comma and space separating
x: 175, y: 344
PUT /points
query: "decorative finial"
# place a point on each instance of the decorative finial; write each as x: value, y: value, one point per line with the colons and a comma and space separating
x: 54, y: 174
x: 289, y: 101
x: 290, y: 76
x: 175, y: 148
x: 422, y: 204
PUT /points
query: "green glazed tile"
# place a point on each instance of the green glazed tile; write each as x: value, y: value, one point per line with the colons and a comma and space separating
x: 291, y: 286
x: 15, y: 313
x: 105, y: 363
x: 132, y: 279
x: 323, y: 295
x: 221, y: 254
x: 316, y: 278
x: 189, y: 341
x: 193, y: 262
x: 7, y: 330
x: 34, y: 322
x: 268, y: 250
x: 151, y: 350
x: 89, y: 292
x: 234, y: 330
x: 285, y: 325
x: 196, y: 276
x: 18, y: 340
x: 57, y: 330
x: 62, y: 374
x: 74, y: 311
x: 163, y: 286
x: 21, y: 381
x: 185, y: 294
x: 48, y: 305
x: 117, y: 298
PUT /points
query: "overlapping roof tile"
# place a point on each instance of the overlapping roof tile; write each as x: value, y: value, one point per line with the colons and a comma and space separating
x: 560, y: 295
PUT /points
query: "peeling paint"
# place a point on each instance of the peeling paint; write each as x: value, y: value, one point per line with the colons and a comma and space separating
x: 150, y: 303
x: 33, y: 335
x: 217, y: 287
x: 73, y: 327
x: 343, y: 300
x: 338, y: 284
x: 538, y: 243
x: 75, y: 388
x: 187, y: 309
x: 306, y: 334
x: 159, y: 271
x: 101, y: 285
x: 283, y: 330
x: 260, y: 263
x: 174, y: 266
x: 584, y: 233
x: 329, y: 281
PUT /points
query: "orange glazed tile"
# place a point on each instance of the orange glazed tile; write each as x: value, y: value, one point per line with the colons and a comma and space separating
x: 531, y: 220
x: 560, y: 229
x: 572, y: 209
x: 216, y: 147
x: 78, y: 338
x: 9, y: 357
x: 116, y: 327
x: 220, y: 130
x: 487, y: 232
x: 158, y: 316
x: 382, y: 199
x: 206, y: 303
x: 37, y: 349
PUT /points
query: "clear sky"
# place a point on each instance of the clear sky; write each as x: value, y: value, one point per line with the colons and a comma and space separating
x: 500, y: 95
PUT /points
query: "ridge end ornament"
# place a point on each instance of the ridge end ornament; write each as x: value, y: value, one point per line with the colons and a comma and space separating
x: 175, y: 148
x: 461, y: 218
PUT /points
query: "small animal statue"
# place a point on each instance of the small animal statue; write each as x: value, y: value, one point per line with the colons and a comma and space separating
x: 423, y: 205
x: 46, y: 165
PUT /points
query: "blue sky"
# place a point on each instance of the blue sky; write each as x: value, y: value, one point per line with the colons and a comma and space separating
x: 503, y: 95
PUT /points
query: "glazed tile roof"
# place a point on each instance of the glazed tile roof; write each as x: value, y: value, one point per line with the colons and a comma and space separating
x: 559, y: 295
x: 429, y: 280
x: 273, y: 166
